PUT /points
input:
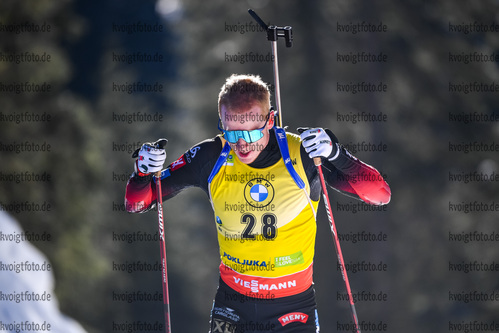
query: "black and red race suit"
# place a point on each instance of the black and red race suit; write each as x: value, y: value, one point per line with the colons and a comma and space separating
x: 265, y: 222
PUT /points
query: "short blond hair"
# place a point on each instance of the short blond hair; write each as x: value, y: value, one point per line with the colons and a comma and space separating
x: 241, y: 91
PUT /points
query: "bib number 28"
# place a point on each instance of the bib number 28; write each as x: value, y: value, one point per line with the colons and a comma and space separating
x: 268, y: 225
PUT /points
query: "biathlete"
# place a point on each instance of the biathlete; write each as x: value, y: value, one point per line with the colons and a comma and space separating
x: 264, y: 189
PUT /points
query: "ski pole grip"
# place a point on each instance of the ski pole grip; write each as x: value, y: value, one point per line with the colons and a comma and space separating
x: 317, y: 161
x: 160, y: 144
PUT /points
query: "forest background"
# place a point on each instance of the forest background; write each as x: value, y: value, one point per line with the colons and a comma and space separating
x: 69, y: 121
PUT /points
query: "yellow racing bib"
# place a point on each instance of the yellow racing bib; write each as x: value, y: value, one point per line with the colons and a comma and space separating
x: 266, y: 226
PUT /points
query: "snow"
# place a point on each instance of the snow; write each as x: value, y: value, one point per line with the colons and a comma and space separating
x: 27, y: 299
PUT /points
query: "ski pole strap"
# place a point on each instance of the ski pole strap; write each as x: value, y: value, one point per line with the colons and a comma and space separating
x: 280, y: 134
x: 164, y: 173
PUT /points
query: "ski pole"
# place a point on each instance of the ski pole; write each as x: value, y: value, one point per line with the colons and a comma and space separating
x: 162, y: 242
x: 339, y: 254
x: 273, y: 33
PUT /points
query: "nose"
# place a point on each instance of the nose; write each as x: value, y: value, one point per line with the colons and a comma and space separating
x: 241, y: 144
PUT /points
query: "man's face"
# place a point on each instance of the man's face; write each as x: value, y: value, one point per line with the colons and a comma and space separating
x: 248, y: 119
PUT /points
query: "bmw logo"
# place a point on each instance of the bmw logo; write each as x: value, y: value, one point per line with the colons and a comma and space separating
x: 259, y: 192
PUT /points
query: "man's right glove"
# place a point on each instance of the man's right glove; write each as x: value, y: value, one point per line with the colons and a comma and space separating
x: 150, y: 157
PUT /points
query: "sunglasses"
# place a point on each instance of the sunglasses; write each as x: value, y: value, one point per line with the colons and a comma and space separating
x: 248, y: 136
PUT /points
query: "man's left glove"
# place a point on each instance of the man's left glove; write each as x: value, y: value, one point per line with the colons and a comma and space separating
x: 319, y: 142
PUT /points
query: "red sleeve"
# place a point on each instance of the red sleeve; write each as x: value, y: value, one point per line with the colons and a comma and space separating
x: 139, y: 194
x: 353, y: 176
x: 370, y: 186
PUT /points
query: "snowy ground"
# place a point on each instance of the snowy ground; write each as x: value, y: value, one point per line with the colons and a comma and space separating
x: 27, y: 300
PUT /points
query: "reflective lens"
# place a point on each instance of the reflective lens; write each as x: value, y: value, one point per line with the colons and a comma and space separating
x: 248, y: 136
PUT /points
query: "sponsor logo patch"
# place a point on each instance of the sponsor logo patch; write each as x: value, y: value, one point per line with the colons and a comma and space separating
x: 220, y: 326
x: 178, y: 163
x: 289, y: 260
x: 293, y: 317
x: 259, y: 192
x: 230, y: 160
x: 225, y: 312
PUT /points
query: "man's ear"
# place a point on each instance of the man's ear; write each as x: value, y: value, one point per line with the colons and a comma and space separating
x: 271, y: 119
x: 272, y: 115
